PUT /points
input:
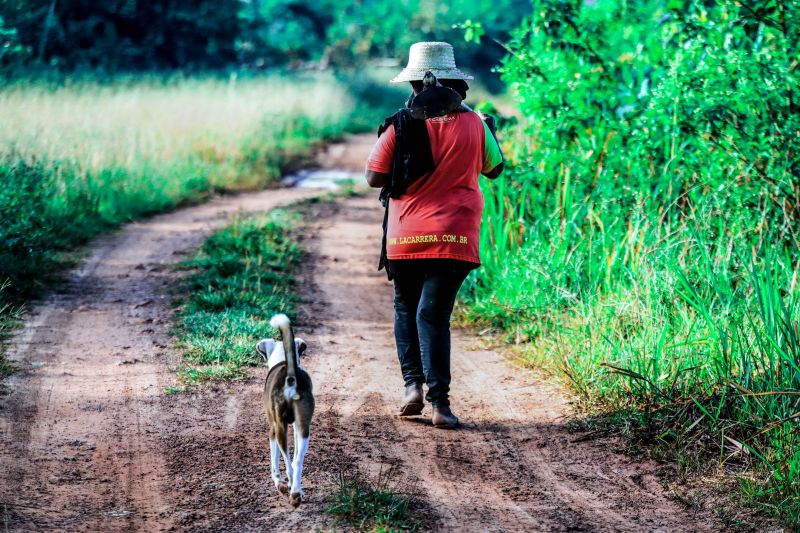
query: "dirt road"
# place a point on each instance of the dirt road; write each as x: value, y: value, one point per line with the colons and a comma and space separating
x: 91, y: 442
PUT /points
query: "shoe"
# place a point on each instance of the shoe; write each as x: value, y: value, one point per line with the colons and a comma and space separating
x: 444, y: 418
x: 412, y: 401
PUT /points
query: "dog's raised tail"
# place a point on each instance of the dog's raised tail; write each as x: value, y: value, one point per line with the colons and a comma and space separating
x: 281, y: 322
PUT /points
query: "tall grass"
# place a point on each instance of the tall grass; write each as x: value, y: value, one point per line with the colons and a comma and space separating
x: 691, y: 331
x: 685, y: 320
x: 80, y: 157
x: 9, y: 315
x: 646, y: 243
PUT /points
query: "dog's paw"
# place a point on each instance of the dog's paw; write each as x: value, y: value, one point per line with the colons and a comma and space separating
x: 295, y: 498
x: 283, y: 487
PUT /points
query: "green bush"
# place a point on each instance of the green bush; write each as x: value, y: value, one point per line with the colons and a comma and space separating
x: 647, y: 239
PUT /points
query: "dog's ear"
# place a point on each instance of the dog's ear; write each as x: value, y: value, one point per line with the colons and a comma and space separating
x: 265, y: 348
x: 300, y: 345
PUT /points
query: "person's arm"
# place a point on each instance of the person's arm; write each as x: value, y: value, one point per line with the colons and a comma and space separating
x: 495, y: 172
x: 493, y: 162
x: 377, y: 180
x: 381, y: 159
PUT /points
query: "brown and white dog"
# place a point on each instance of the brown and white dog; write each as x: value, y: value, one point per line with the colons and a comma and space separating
x: 288, y: 400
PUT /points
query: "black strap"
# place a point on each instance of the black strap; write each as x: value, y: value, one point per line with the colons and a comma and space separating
x: 383, y: 262
x: 413, y: 158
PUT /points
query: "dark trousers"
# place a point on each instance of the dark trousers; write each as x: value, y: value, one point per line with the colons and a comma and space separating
x: 424, y: 293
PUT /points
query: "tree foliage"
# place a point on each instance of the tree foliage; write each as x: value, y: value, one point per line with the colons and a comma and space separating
x: 682, y: 95
x: 126, y: 34
x: 201, y: 34
x: 11, y: 50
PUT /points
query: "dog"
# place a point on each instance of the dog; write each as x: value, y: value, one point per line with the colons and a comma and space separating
x: 288, y: 401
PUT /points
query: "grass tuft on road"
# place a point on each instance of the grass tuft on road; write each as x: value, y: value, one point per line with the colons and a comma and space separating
x: 9, y: 318
x: 243, y: 275
x: 374, y: 504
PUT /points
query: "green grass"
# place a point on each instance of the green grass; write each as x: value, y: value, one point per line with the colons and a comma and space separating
x: 685, y: 337
x: 9, y: 318
x: 689, y: 338
x: 243, y: 274
x: 80, y: 156
x: 374, y: 504
x: 645, y: 244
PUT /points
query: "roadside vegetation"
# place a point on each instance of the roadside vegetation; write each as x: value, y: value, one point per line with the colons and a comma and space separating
x: 80, y: 157
x: 645, y: 243
x: 9, y: 316
x: 243, y: 275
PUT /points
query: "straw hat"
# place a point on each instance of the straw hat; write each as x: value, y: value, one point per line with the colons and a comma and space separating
x: 433, y: 56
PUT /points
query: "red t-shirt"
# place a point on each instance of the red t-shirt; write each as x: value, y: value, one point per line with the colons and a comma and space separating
x: 439, y: 216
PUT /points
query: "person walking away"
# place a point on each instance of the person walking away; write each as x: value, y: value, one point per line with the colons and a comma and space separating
x: 427, y: 162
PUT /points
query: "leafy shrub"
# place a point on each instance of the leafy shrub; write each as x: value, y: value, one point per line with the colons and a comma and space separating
x: 646, y: 240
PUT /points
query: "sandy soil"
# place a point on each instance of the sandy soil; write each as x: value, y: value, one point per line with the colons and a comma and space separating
x: 91, y: 442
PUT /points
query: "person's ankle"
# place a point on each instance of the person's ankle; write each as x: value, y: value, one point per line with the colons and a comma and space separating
x: 443, y: 417
x: 412, y: 403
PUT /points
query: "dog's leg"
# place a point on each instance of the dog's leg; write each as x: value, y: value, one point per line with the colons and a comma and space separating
x: 275, y: 463
x: 277, y: 449
x: 300, y: 449
x: 284, y: 448
x: 297, y: 487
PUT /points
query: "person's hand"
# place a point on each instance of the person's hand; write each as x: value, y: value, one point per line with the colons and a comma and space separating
x: 489, y: 120
x: 490, y: 123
